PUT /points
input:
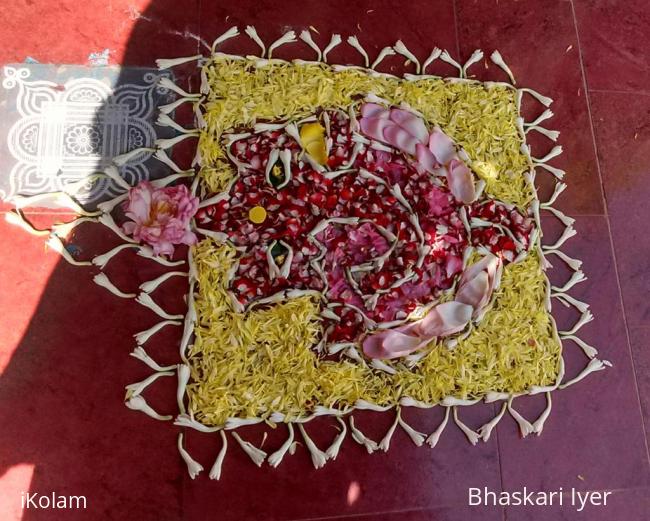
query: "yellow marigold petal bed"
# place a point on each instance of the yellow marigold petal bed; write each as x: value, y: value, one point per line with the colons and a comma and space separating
x: 251, y: 365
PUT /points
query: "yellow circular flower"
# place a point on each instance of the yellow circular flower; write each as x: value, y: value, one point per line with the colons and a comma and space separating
x: 257, y: 215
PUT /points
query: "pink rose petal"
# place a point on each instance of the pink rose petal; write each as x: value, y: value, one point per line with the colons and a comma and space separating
x: 453, y: 265
x: 439, y: 202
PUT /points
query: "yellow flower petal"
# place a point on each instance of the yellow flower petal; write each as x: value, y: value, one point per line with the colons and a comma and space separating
x: 485, y: 170
x: 312, y: 139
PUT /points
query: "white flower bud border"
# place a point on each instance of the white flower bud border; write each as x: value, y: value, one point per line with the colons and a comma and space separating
x: 184, y: 418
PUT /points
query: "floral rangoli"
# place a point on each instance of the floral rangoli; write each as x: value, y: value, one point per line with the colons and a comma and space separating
x: 356, y: 240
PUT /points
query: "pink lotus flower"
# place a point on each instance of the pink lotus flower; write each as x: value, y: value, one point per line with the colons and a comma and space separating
x: 160, y: 217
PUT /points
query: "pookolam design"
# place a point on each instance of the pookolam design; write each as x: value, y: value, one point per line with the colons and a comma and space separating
x: 355, y: 241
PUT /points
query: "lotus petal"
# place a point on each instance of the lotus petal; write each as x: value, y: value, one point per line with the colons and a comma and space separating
x: 399, y: 128
x: 441, y: 146
x: 410, y: 122
x: 475, y: 291
x: 461, y: 181
x: 374, y: 127
x: 444, y: 320
x: 488, y: 262
x: 373, y: 110
x: 478, y: 283
x: 425, y: 158
x: 400, y: 139
x: 390, y: 344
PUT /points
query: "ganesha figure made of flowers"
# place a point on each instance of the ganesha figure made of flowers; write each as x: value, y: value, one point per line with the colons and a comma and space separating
x: 377, y: 214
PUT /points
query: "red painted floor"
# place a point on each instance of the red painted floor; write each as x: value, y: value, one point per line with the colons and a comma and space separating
x: 64, y: 342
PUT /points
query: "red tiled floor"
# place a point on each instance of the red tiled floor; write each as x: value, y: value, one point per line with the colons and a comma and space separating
x: 438, y: 514
x: 640, y: 340
x: 540, y: 46
x: 623, y: 138
x: 615, y: 40
x: 70, y: 31
x: 595, y: 430
x: 621, y: 504
x: 61, y: 391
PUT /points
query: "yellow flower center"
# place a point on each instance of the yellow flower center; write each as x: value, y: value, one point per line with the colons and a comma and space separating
x: 159, y: 208
x: 257, y: 215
